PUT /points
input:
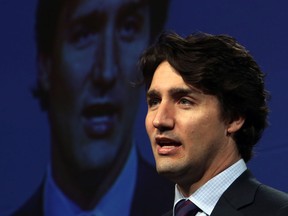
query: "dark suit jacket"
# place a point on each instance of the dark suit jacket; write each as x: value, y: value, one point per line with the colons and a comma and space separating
x: 149, y: 191
x: 248, y: 197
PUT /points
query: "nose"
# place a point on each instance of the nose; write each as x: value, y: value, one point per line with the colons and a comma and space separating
x: 164, y: 118
x: 105, y: 68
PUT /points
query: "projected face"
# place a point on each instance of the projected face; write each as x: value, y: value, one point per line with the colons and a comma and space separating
x: 92, y: 103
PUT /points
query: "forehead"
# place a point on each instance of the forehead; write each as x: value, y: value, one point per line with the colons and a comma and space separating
x: 82, y: 7
x: 165, y: 77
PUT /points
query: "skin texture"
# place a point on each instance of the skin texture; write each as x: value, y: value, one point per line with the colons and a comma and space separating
x: 191, y: 143
x: 92, y: 102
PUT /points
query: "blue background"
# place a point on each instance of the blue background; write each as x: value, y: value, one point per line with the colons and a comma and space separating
x: 260, y: 25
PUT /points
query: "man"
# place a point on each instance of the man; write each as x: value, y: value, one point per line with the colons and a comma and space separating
x: 206, y: 111
x: 87, y: 55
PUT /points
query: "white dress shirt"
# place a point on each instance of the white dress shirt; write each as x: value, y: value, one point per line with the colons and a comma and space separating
x: 120, y: 195
x: 207, y: 196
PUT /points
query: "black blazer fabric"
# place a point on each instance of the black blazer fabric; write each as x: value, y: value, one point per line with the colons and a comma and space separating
x: 153, y: 195
x: 248, y: 197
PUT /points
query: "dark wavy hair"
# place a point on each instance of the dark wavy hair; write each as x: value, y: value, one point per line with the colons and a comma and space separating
x: 47, y: 17
x: 218, y: 65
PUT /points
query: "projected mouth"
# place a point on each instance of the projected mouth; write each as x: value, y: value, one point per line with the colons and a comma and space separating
x: 100, y: 119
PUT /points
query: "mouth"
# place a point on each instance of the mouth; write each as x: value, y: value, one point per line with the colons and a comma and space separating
x: 100, y: 119
x: 167, y: 146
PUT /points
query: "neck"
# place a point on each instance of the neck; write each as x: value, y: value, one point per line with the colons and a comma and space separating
x: 85, y: 187
x: 216, y: 166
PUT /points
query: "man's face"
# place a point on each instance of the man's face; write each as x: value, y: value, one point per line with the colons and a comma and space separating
x: 92, y: 103
x: 187, y: 134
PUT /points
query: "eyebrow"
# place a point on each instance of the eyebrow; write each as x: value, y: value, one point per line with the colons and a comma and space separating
x: 125, y: 7
x: 98, y: 16
x: 132, y: 6
x: 174, y: 92
x: 152, y: 93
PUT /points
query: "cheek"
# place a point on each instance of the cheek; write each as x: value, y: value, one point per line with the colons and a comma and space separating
x: 67, y: 68
x: 66, y: 87
x: 76, y: 63
x: 127, y: 67
x: 128, y: 57
x: 130, y: 98
x: 195, y: 129
x: 148, y: 124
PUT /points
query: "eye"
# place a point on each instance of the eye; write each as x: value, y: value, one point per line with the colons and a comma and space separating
x: 82, y: 32
x: 185, y: 102
x: 130, y: 26
x: 81, y: 37
x: 152, y: 102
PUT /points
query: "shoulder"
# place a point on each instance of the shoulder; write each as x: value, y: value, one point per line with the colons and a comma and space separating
x: 262, y: 193
x: 250, y: 197
x: 33, y: 206
x: 272, y: 197
x: 269, y: 201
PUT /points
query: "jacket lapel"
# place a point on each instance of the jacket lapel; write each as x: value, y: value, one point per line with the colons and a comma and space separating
x: 170, y: 213
x: 241, y: 193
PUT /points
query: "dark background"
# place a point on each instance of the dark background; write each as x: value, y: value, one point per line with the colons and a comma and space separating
x: 260, y: 25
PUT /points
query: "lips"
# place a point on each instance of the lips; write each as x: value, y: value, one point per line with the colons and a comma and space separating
x: 164, y: 141
x: 100, y: 119
x: 167, y: 146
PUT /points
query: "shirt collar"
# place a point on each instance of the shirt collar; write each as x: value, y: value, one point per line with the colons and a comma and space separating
x: 207, y: 196
x: 120, y: 194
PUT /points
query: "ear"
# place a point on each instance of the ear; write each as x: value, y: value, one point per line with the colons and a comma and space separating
x: 44, y: 71
x: 235, y: 125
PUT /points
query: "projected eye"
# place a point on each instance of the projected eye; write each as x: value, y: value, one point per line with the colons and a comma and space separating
x: 83, y: 32
x: 130, y: 26
x: 81, y: 37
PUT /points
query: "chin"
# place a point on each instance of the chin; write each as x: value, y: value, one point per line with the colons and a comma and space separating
x: 163, y: 168
x: 92, y: 160
x: 169, y: 170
